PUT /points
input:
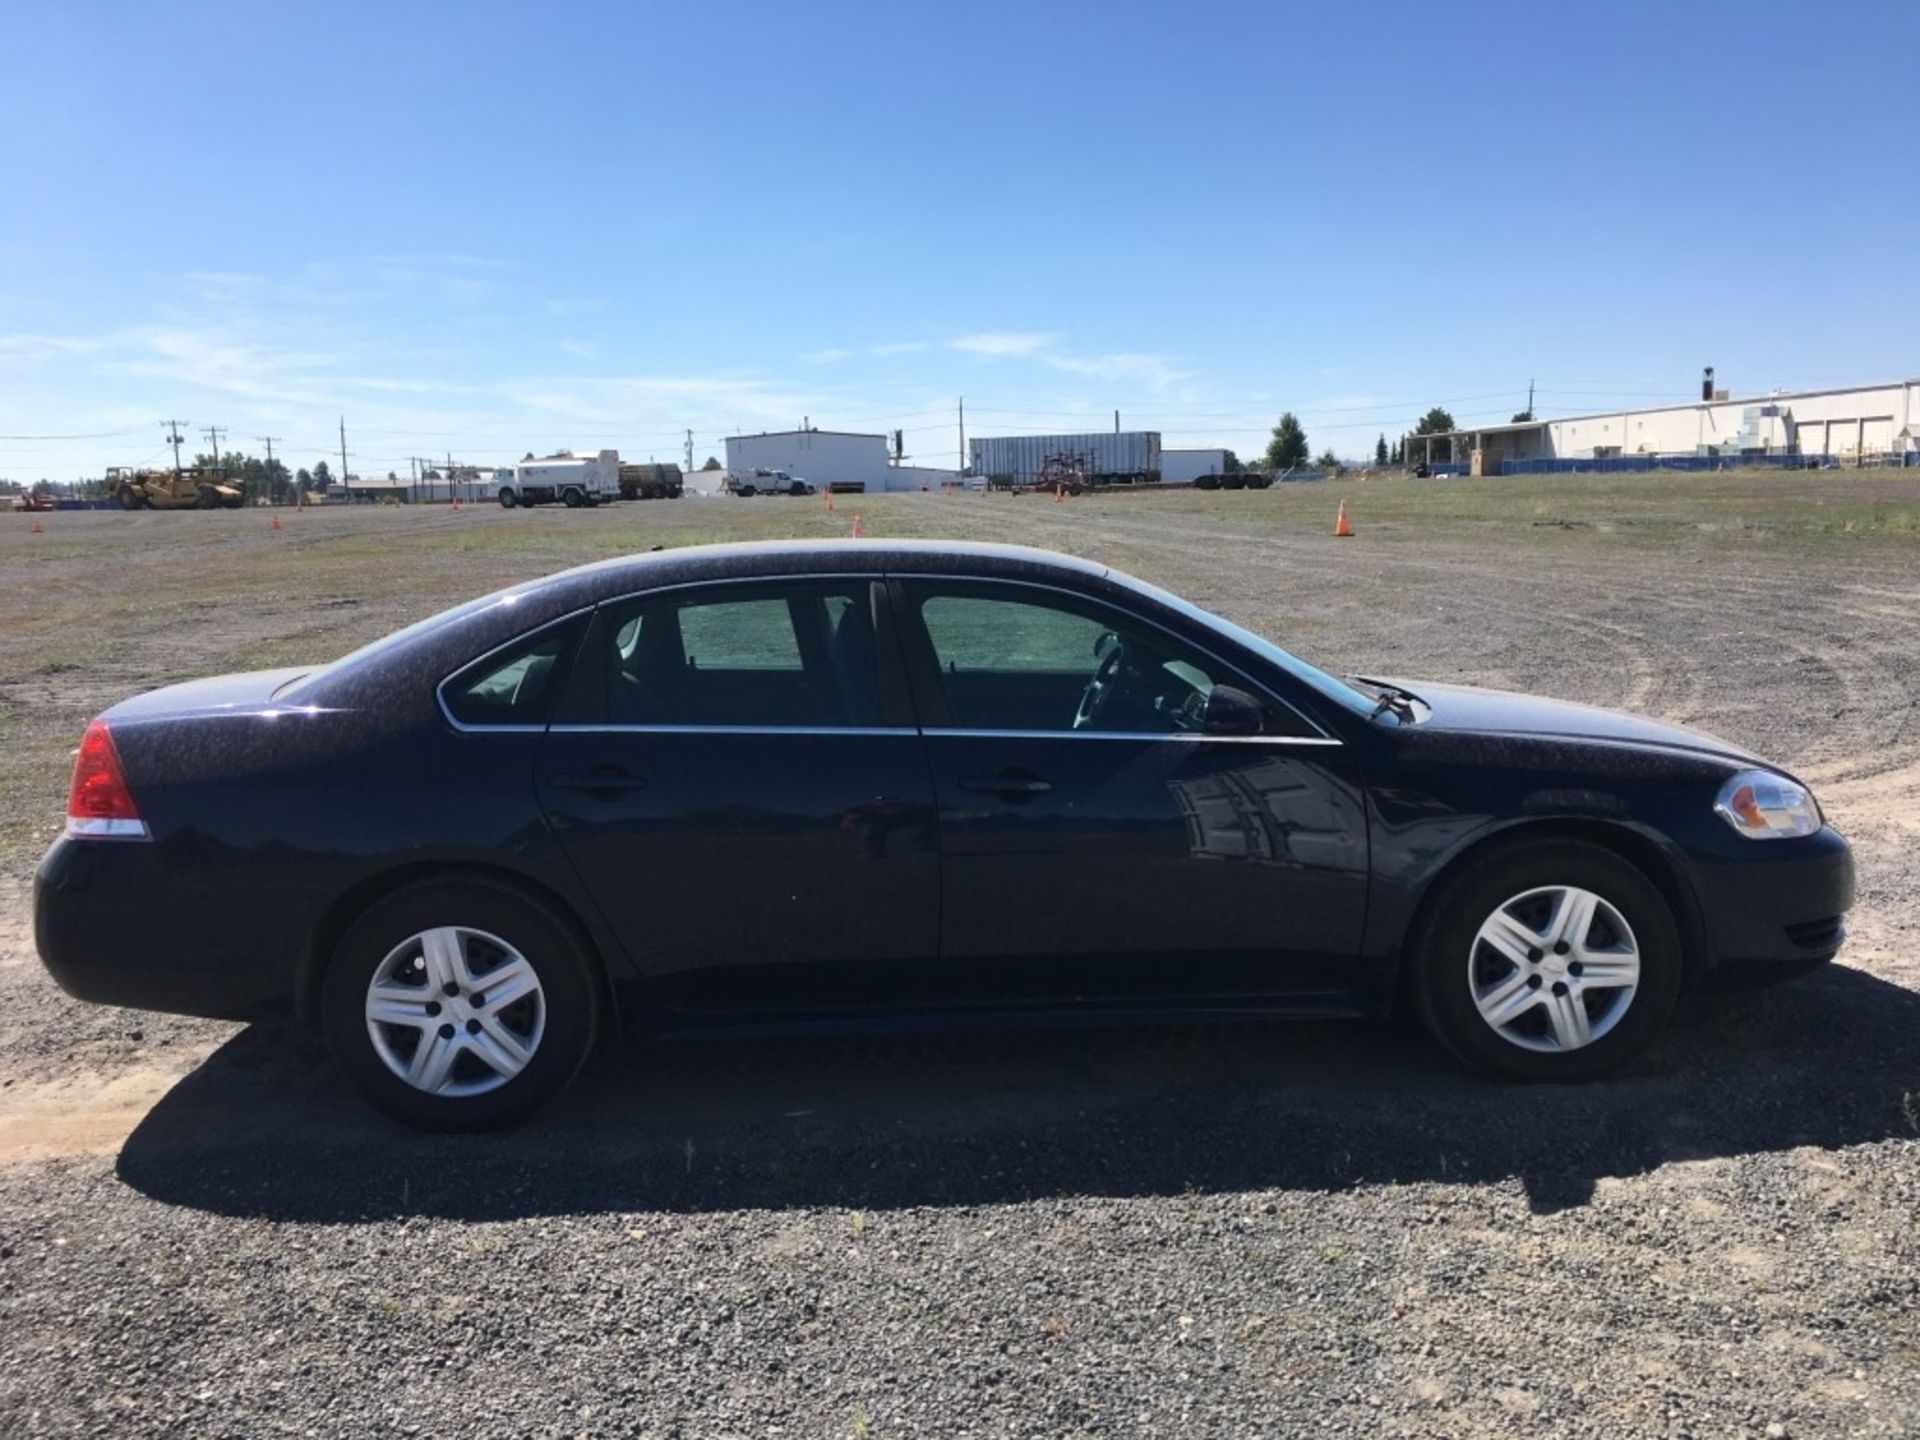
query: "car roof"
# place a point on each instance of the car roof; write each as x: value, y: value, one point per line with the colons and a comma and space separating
x: 790, y: 557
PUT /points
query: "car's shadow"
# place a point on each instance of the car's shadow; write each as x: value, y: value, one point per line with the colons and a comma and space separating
x: 971, y: 1120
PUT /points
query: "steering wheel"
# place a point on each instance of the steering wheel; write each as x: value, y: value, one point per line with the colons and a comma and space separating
x: 1100, y: 688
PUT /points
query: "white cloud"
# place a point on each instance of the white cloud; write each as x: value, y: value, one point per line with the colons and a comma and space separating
x: 1001, y: 342
x: 1154, y: 371
x: 833, y: 355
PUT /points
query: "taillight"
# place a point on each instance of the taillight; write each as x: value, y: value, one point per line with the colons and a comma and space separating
x: 100, y: 806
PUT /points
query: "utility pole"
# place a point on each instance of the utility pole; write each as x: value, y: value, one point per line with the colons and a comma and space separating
x: 267, y: 440
x: 689, y: 452
x: 451, y: 492
x: 1116, y: 422
x: 173, y: 439
x: 345, y: 488
x: 213, y: 433
x: 963, y: 434
x: 1529, y: 397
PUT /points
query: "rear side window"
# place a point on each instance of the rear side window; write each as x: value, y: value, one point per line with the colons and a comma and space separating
x: 786, y: 656
x: 515, y: 686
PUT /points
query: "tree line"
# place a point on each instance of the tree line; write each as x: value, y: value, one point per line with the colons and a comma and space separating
x: 1288, y: 449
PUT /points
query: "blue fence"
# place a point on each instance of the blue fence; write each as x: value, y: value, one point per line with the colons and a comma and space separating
x: 1624, y: 464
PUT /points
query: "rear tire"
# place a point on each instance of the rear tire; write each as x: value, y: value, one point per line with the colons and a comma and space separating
x: 1550, y: 961
x: 449, y: 1056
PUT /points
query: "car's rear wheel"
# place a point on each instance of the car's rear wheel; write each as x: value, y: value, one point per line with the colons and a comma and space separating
x: 1552, y: 961
x: 460, y: 1005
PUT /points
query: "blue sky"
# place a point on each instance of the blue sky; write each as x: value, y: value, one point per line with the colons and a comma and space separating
x: 489, y: 228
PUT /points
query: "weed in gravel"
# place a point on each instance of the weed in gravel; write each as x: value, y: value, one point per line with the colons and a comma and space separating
x: 1910, y: 1108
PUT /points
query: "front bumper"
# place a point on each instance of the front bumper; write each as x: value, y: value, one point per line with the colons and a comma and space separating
x: 114, y: 927
x: 1778, y: 909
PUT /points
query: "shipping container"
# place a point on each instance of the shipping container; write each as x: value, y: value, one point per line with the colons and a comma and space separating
x: 1102, y: 458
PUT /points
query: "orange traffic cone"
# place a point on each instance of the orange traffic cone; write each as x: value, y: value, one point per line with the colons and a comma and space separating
x: 276, y: 522
x: 859, y: 530
x: 829, y: 495
x: 38, y: 528
x: 1340, y: 526
x: 1059, y: 494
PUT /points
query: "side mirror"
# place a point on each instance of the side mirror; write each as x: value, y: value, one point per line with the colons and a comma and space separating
x: 1233, y: 712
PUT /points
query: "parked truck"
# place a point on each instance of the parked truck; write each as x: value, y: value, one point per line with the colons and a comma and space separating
x: 766, y: 482
x: 571, y: 480
x: 651, y: 482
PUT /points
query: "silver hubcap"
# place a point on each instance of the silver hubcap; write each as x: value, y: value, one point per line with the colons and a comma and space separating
x: 1554, y: 968
x: 455, y: 1012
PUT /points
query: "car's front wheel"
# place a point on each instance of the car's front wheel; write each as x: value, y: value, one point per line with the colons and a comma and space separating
x: 1551, y: 961
x: 460, y: 1005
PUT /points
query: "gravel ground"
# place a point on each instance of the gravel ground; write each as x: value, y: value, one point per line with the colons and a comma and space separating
x: 1250, y: 1230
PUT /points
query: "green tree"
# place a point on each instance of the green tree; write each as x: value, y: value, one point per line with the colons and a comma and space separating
x: 1329, y: 461
x: 1525, y: 417
x: 322, y: 477
x: 1437, y: 422
x: 1399, y: 453
x: 713, y: 463
x: 1288, y: 447
x: 1230, y: 463
x: 1380, y: 451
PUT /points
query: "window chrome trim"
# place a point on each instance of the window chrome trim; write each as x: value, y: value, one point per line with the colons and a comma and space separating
x: 1196, y: 736
x: 1320, y: 737
x: 869, y: 730
x: 440, y: 690
x: 928, y: 732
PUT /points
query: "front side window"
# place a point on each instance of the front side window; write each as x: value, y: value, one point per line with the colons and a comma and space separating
x: 1027, y: 660
x: 789, y: 656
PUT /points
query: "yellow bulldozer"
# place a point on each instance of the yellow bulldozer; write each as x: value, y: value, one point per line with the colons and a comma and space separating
x: 189, y: 489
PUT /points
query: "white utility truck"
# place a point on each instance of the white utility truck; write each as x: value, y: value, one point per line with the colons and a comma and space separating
x: 766, y: 482
x: 572, y: 480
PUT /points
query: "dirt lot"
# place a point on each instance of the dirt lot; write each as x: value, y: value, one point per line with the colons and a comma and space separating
x: 1276, y: 1229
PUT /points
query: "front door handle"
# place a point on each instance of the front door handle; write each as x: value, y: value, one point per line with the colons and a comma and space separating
x: 1012, y: 784
x: 601, y: 780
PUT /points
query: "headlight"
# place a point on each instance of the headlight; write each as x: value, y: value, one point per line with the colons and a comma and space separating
x: 1764, y: 806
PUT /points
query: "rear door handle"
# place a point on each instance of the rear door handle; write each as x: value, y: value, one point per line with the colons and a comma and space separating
x: 1011, y: 786
x: 602, y: 780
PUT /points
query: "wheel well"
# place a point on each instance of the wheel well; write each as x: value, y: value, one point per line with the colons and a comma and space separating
x: 354, y: 902
x: 1629, y: 845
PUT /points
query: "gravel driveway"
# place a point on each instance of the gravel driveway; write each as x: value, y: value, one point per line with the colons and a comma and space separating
x: 1276, y: 1229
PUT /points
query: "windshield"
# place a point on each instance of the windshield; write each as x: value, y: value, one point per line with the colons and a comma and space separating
x: 1333, y: 688
x: 293, y: 688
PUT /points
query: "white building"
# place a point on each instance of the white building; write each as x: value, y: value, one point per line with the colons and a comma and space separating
x: 1859, y: 422
x: 831, y: 457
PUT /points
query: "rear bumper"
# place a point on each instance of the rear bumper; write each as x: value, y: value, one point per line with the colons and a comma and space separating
x: 113, y: 928
x: 1772, y: 915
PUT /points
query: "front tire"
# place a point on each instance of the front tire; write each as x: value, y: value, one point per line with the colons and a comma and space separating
x: 460, y: 1005
x: 1553, y: 961
x: 508, y: 500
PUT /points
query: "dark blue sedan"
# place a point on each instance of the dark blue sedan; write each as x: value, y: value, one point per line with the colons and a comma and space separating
x: 797, y: 786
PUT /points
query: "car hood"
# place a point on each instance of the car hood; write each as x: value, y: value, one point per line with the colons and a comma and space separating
x: 1467, y: 708
x: 218, y: 694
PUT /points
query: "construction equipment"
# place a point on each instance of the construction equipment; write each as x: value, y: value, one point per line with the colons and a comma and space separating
x: 189, y: 489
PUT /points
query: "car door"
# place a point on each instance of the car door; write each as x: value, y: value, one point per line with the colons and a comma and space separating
x: 1098, y: 845
x: 736, y: 778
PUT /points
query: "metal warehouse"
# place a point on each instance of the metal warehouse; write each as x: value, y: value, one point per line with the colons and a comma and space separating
x: 830, y: 457
x: 1866, y: 424
x: 1115, y: 456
